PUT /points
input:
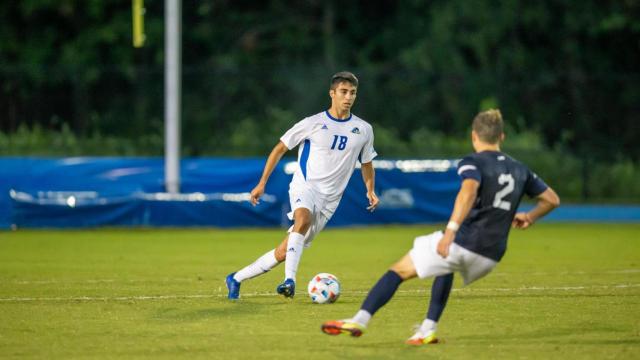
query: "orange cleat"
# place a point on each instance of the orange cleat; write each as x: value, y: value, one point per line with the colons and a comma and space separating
x: 337, y: 327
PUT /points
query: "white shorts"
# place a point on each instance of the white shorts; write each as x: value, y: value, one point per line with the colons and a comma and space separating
x: 317, y: 205
x: 429, y: 263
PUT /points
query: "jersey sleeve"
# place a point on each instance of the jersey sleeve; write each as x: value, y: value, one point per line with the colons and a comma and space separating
x: 296, y: 134
x: 468, y: 169
x: 368, y: 153
x: 534, y: 185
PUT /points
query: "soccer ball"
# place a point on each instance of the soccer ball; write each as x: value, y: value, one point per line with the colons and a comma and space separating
x: 324, y: 288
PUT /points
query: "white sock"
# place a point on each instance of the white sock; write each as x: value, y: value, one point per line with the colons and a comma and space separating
x: 295, y: 245
x: 362, y: 317
x: 428, y: 325
x: 263, y: 264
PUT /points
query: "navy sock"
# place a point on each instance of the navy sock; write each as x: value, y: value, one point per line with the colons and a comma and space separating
x: 382, y: 292
x: 439, y: 295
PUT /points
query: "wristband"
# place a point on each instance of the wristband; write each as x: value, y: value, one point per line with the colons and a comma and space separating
x: 453, y: 226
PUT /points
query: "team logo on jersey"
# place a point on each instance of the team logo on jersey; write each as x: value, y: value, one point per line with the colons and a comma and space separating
x: 297, y: 201
x: 291, y: 249
x: 355, y: 130
x: 500, y: 158
x: 324, y: 127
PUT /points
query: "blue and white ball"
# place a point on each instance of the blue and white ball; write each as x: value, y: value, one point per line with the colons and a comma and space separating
x: 324, y: 288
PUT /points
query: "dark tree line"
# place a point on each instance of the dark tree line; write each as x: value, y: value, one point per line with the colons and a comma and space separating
x: 566, y: 70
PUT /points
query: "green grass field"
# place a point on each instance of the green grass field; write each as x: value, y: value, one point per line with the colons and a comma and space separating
x: 568, y: 291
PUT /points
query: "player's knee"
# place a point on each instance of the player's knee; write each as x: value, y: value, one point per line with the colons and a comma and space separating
x: 397, y: 270
x: 404, y: 270
x: 302, y: 224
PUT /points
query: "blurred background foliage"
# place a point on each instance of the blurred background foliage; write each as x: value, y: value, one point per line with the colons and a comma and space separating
x: 565, y: 74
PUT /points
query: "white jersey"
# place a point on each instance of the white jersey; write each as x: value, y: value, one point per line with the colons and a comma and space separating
x: 329, y: 149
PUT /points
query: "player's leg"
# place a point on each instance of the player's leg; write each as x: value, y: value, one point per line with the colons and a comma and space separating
x: 385, y: 288
x: 378, y: 296
x: 440, y: 290
x: 430, y: 263
x: 263, y: 264
x: 422, y: 261
x: 294, y: 247
x: 472, y: 267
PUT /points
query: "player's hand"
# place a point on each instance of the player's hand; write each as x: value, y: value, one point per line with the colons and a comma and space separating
x: 445, y: 243
x: 521, y: 221
x: 373, y: 201
x: 256, y: 193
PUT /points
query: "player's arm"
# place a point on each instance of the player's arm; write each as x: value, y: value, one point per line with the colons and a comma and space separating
x: 369, y: 178
x: 464, y: 202
x: 547, y: 201
x: 275, y: 156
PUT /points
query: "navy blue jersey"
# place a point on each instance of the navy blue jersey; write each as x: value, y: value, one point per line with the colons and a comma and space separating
x: 503, y: 182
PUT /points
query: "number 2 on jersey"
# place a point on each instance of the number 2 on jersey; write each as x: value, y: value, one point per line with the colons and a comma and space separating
x: 498, y: 201
x: 341, y: 144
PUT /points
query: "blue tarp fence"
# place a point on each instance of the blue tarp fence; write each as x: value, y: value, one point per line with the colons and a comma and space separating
x: 90, y: 192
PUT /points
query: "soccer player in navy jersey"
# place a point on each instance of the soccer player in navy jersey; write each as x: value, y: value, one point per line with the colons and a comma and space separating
x: 475, y: 239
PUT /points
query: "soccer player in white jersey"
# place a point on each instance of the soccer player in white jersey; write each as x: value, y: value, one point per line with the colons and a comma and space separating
x: 330, y: 145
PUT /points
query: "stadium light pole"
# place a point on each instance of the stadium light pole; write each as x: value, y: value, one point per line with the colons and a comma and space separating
x: 172, y: 93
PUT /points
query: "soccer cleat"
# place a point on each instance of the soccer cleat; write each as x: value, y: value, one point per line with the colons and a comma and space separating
x: 234, y: 287
x: 287, y: 288
x: 337, y: 327
x: 421, y: 338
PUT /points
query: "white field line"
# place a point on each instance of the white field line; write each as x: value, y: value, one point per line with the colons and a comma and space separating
x: 565, y: 273
x: 100, y: 281
x: 222, y: 294
x: 178, y: 280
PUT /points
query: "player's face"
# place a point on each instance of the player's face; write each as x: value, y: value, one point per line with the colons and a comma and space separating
x: 343, y: 96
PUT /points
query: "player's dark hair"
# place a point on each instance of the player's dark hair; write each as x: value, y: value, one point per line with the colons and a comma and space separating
x: 489, y: 126
x: 343, y: 76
